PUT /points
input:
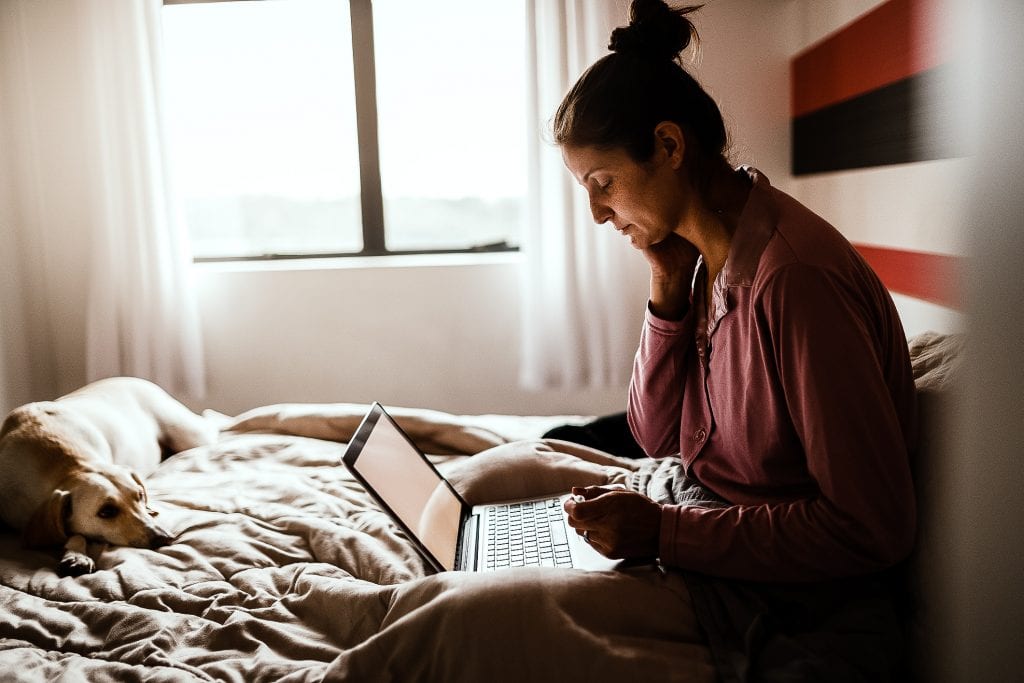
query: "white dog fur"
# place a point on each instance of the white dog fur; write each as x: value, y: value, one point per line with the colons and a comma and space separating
x: 71, y: 470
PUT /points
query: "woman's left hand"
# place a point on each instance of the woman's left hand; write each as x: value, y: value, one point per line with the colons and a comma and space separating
x: 620, y: 524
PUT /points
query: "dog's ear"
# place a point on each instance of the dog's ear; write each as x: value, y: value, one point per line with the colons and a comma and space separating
x: 145, y: 496
x: 145, y: 493
x: 47, y: 525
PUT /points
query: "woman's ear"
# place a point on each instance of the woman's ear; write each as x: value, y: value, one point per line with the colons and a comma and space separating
x: 670, y: 141
x: 47, y: 527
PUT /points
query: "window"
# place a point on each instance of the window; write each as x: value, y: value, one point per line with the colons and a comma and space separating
x: 329, y: 127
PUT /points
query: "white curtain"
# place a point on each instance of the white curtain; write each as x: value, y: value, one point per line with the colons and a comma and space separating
x: 142, y: 317
x: 106, y: 259
x: 583, y: 286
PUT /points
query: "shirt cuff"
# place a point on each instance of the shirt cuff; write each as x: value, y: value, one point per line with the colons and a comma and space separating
x: 667, y: 537
x: 666, y: 326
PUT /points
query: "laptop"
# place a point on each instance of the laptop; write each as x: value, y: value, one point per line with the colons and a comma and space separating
x: 451, y: 534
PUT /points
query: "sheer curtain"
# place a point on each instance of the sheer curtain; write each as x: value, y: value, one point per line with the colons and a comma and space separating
x: 103, y: 279
x: 142, y: 318
x: 583, y: 286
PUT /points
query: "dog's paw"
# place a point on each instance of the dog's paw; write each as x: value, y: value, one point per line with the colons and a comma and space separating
x: 75, y: 564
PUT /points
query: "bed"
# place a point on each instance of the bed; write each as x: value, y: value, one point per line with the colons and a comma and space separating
x: 284, y: 569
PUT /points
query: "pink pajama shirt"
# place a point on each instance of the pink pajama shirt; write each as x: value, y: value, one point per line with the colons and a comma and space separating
x: 798, y: 408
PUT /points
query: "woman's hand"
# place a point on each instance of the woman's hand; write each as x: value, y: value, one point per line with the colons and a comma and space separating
x: 672, y: 262
x: 620, y: 524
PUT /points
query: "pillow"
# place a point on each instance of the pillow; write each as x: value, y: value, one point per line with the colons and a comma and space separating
x: 935, y: 359
x: 433, y: 431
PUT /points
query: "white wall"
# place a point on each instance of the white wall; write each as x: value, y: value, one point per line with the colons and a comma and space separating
x: 744, y: 64
x: 10, y: 289
x: 439, y: 332
x: 10, y: 286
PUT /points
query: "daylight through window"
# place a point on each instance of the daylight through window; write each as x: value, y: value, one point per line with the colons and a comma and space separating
x: 275, y: 156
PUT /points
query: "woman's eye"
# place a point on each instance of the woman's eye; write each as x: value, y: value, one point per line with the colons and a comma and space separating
x: 108, y: 511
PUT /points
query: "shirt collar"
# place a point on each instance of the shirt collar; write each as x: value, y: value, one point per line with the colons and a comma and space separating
x: 753, y: 230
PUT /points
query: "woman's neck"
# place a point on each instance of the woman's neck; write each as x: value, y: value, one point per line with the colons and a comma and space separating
x: 712, y: 221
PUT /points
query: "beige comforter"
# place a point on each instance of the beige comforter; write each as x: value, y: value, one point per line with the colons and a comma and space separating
x: 284, y: 569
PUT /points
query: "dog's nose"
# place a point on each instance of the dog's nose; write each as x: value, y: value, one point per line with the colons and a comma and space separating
x: 160, y: 540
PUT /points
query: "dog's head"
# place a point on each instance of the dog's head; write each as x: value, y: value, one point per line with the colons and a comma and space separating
x: 110, y: 506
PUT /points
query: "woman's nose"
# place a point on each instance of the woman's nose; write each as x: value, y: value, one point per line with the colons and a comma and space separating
x: 600, y: 212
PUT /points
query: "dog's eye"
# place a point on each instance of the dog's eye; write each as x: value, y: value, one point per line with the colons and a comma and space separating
x: 108, y: 511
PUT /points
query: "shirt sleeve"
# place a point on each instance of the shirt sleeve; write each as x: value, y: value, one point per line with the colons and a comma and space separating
x: 828, y: 348
x: 655, y: 389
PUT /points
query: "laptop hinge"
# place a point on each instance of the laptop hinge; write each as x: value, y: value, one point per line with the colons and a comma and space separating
x: 466, y: 550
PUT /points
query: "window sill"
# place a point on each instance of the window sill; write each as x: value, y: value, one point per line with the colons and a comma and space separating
x: 451, y: 260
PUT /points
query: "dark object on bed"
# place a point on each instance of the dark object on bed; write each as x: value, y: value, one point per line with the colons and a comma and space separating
x: 609, y: 433
x: 843, y: 631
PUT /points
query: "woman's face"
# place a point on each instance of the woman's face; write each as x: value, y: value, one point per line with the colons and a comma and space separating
x: 644, y: 201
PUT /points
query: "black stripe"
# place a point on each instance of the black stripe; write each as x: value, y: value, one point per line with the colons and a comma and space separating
x: 911, y: 120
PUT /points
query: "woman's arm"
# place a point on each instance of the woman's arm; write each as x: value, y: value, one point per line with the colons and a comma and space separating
x: 847, y: 397
x: 654, y: 408
x: 656, y: 387
x: 672, y: 262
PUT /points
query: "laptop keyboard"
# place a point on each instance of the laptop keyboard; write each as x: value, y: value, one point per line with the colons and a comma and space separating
x: 527, y: 534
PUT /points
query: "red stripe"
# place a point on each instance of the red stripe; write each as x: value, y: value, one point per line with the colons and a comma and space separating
x: 933, y: 277
x: 895, y: 40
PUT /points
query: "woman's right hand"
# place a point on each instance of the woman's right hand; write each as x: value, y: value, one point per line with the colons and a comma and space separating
x: 672, y: 262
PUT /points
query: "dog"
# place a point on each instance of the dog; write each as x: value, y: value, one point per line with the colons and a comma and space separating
x: 71, y: 470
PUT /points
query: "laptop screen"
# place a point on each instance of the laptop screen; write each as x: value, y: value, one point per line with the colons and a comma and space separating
x: 406, y: 482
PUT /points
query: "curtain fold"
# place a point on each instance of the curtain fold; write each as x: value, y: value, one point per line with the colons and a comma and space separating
x: 582, y: 286
x: 142, y: 318
x: 102, y: 283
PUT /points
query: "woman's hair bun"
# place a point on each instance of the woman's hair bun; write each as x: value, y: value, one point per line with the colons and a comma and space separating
x: 655, y: 30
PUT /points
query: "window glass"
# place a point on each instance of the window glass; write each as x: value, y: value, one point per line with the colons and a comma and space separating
x: 450, y: 85
x: 261, y: 122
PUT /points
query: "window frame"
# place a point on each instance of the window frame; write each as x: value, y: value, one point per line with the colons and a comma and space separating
x: 371, y: 197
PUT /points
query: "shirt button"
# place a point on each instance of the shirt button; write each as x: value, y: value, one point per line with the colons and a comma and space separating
x: 699, y: 435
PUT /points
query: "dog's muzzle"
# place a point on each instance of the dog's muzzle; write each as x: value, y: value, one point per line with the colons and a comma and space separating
x: 160, y: 541
x: 159, y: 538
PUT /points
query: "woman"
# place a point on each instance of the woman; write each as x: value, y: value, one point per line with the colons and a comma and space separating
x: 772, y: 360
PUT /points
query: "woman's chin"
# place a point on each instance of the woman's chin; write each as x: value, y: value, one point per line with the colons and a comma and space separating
x: 638, y: 242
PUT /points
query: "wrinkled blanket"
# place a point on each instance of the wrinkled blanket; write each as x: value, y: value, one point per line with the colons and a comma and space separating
x: 284, y: 569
